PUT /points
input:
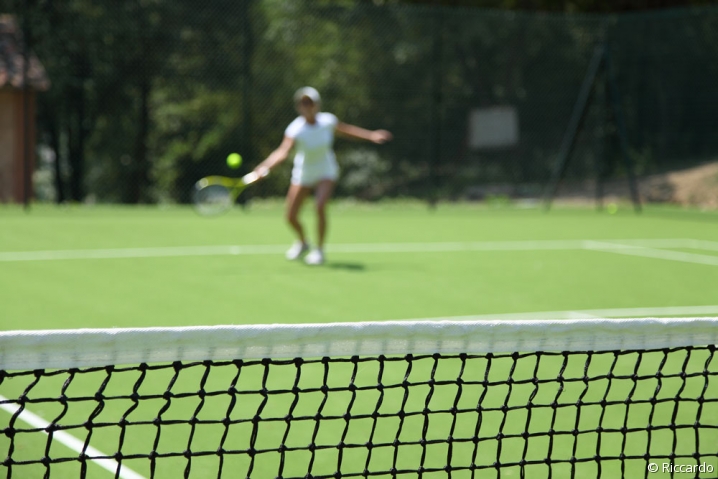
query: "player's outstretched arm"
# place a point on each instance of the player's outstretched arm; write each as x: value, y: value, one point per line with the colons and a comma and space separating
x: 276, y: 157
x: 351, y: 131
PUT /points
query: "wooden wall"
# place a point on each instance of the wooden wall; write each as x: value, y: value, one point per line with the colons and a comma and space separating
x: 12, y: 144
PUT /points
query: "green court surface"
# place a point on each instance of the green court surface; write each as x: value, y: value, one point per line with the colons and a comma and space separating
x: 173, y: 284
x: 100, y: 267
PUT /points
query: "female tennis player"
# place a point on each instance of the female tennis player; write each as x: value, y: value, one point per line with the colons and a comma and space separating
x: 315, y: 166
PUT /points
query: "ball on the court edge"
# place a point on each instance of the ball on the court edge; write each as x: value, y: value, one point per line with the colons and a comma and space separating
x: 234, y: 160
x: 612, y: 208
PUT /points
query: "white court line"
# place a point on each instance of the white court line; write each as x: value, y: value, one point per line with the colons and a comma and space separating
x: 229, y: 250
x: 456, y: 246
x: 580, y: 315
x: 139, y: 252
x: 670, y: 243
x: 70, y: 441
x: 631, y: 250
x: 666, y: 311
x: 635, y: 247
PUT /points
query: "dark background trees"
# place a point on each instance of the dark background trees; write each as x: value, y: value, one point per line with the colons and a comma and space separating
x: 149, y: 95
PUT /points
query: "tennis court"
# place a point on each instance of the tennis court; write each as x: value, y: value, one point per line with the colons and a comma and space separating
x: 123, y: 267
x: 112, y: 267
x: 456, y: 330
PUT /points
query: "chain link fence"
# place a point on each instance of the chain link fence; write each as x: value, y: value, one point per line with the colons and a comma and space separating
x: 148, y: 96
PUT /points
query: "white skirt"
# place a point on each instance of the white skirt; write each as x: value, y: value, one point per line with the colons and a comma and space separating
x: 310, y: 175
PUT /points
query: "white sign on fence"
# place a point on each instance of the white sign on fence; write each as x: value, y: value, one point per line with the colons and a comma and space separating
x: 493, y: 127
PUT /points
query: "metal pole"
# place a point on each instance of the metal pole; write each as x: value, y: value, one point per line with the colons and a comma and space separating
x: 622, y: 133
x: 577, y: 116
x: 247, y: 50
x: 599, y: 162
x: 435, y: 108
x: 26, y: 147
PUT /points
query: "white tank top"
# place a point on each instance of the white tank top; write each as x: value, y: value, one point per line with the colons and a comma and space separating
x: 313, y: 143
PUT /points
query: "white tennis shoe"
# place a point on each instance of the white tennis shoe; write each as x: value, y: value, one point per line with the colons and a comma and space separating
x: 315, y: 257
x: 297, y: 250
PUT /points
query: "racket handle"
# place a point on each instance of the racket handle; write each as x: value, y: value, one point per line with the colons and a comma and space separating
x: 254, y: 176
x: 250, y: 178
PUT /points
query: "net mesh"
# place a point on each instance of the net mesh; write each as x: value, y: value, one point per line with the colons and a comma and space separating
x: 517, y: 414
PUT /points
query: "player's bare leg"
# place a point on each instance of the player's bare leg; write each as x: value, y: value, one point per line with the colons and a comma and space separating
x: 323, y: 194
x: 295, y: 198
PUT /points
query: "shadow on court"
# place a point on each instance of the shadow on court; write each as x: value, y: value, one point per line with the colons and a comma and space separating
x: 345, y: 266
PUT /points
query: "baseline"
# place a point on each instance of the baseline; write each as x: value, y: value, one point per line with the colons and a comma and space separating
x: 429, y: 247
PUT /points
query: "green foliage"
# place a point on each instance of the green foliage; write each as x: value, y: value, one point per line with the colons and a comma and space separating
x: 572, y: 6
x: 150, y: 95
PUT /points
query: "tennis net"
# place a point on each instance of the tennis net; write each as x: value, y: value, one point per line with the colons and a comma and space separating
x: 534, y: 399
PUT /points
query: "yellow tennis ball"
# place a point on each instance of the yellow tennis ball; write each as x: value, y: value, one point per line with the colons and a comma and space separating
x: 612, y: 208
x: 234, y: 160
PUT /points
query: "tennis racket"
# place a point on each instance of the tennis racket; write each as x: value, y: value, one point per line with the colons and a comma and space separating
x: 214, y: 195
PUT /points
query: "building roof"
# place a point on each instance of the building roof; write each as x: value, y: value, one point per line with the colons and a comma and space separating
x: 12, y: 60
